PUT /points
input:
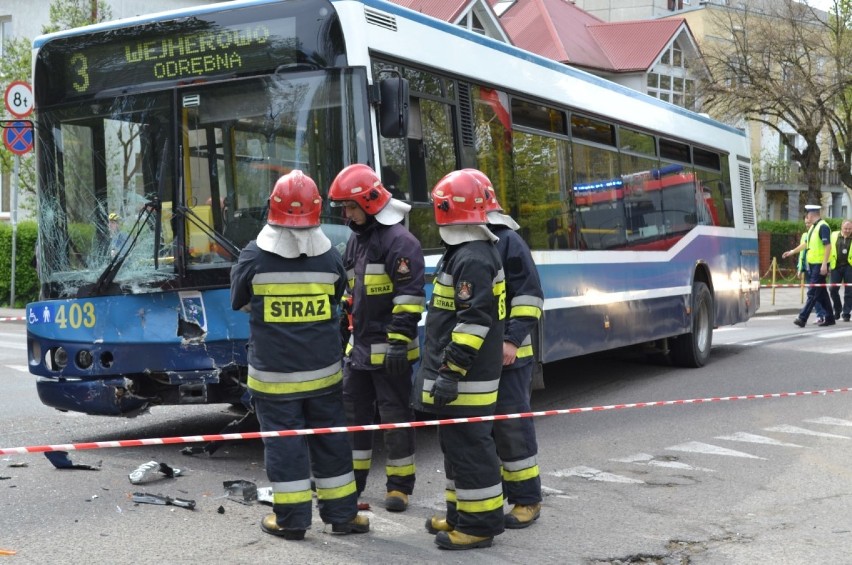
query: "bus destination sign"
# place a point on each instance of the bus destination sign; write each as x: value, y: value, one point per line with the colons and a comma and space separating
x: 183, y: 54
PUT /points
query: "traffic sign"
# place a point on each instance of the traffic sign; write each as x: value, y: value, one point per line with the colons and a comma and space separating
x: 18, y: 137
x: 19, y: 99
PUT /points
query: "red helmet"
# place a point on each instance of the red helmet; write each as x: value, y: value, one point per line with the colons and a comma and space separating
x: 360, y: 184
x: 295, y: 202
x: 459, y: 198
x: 491, y: 203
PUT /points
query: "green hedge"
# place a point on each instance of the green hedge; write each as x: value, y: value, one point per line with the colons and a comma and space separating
x: 26, y: 278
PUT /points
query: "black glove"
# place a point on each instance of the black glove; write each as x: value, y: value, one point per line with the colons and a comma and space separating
x: 396, y: 359
x: 446, y: 387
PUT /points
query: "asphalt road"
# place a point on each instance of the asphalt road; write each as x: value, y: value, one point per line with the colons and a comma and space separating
x: 746, y: 481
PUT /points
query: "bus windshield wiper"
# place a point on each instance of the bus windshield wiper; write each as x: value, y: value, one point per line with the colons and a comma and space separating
x: 108, y: 275
x: 209, y: 231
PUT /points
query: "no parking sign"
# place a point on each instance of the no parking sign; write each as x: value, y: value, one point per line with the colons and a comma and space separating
x: 18, y: 137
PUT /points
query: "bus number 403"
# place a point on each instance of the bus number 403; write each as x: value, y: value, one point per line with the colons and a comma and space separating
x: 78, y: 315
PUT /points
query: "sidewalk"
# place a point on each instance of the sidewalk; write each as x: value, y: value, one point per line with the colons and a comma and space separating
x: 788, y: 301
x: 6, y: 313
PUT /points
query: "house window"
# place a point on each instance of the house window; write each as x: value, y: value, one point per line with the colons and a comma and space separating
x: 5, y: 33
x: 668, y: 80
x: 785, y: 153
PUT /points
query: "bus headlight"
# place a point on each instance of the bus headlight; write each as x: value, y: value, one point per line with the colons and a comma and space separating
x: 83, y: 359
x: 59, y: 358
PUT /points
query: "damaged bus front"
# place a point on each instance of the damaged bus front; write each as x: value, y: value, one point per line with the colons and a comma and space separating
x: 158, y: 142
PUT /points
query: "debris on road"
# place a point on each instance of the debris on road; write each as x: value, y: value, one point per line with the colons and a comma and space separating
x: 264, y: 495
x: 61, y: 460
x: 244, y: 492
x: 247, y: 422
x: 159, y: 499
x: 150, y: 470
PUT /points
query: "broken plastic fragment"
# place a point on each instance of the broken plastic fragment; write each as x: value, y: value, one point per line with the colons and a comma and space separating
x: 19, y: 464
x: 240, y: 490
x: 146, y: 498
x: 61, y: 460
x: 148, y: 471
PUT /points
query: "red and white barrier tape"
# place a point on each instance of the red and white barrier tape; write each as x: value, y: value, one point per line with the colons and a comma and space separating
x: 14, y: 319
x: 418, y: 424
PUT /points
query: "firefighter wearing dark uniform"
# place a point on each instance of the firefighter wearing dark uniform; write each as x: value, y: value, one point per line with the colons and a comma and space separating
x: 459, y: 373
x: 385, y: 269
x: 516, y: 439
x: 290, y: 280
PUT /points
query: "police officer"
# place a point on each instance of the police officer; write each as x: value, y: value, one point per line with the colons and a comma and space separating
x: 291, y: 280
x: 385, y: 268
x: 841, y: 270
x: 459, y: 373
x: 818, y: 256
x: 516, y: 438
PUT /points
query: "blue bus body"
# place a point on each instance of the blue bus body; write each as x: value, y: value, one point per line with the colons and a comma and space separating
x: 639, y: 214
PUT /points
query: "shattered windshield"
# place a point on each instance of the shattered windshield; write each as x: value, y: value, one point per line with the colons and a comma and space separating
x: 161, y: 190
x: 98, y: 169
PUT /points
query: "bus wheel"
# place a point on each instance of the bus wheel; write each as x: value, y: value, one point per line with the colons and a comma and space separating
x: 692, y: 349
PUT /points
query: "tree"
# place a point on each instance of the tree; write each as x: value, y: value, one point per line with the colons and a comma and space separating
x: 67, y: 14
x: 783, y: 64
x: 17, y: 65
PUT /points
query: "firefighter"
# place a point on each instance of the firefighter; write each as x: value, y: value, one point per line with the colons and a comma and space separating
x: 291, y: 280
x: 385, y: 268
x: 516, y: 439
x: 459, y: 373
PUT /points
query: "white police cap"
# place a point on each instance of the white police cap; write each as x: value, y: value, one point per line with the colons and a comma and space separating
x: 812, y: 207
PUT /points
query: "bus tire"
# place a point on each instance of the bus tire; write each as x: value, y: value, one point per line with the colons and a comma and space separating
x: 693, y: 349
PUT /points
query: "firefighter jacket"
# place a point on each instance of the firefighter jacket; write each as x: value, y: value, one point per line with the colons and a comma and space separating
x: 464, y: 329
x: 524, y: 297
x: 293, y: 347
x: 385, y: 272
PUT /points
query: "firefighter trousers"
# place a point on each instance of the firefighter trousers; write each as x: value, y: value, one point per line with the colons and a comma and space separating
x: 365, y: 393
x: 474, y: 492
x: 290, y: 461
x: 516, y: 440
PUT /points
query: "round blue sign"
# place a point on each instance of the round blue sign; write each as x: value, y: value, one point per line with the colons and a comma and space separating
x: 18, y: 137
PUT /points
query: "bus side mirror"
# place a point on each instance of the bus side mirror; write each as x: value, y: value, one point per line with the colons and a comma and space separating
x: 393, y: 107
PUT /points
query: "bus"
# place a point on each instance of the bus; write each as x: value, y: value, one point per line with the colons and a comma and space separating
x: 639, y: 214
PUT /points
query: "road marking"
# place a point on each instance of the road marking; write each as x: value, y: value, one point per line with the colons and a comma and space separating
x: 796, y: 430
x: 845, y: 334
x: 594, y: 475
x: 21, y: 368
x: 706, y: 448
x: 812, y: 347
x: 753, y: 438
x: 650, y: 460
x: 829, y: 421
